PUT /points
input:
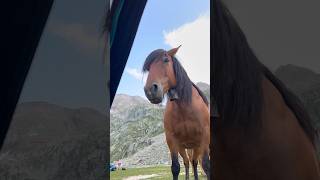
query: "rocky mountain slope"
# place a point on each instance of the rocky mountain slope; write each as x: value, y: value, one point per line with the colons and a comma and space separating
x: 154, y: 154
x: 133, y: 122
x: 306, y: 85
x: 47, y: 141
x: 205, y: 88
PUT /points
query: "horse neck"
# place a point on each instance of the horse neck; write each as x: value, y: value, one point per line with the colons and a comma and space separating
x: 278, y: 124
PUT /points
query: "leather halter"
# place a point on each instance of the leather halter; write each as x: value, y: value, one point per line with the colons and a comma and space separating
x: 172, y: 94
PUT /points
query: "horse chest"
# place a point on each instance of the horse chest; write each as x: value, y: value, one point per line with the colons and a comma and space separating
x: 187, y: 132
x: 186, y: 125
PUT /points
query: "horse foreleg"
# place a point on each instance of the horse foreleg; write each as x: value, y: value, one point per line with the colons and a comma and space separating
x: 195, y: 156
x: 185, y: 158
x: 175, y: 166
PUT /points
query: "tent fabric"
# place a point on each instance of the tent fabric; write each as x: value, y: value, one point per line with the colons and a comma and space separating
x: 23, y: 23
x: 126, y: 28
x: 116, y: 14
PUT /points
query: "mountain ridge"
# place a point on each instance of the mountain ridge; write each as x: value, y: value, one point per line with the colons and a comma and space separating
x: 46, y: 140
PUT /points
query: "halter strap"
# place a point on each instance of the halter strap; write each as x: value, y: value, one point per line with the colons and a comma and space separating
x: 172, y: 94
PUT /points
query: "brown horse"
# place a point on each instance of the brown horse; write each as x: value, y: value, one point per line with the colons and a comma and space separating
x: 263, y: 131
x: 186, y: 117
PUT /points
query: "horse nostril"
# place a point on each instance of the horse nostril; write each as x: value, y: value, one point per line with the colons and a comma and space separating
x: 154, y: 88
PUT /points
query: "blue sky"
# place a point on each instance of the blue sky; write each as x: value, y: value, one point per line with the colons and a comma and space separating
x: 158, y: 17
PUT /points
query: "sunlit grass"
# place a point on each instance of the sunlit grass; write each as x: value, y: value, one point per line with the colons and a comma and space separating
x: 159, y: 172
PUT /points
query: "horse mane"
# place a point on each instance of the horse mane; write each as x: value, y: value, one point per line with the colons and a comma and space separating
x: 237, y: 77
x: 236, y: 74
x: 184, y: 84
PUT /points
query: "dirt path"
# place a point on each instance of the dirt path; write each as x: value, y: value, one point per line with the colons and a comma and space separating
x: 141, y: 177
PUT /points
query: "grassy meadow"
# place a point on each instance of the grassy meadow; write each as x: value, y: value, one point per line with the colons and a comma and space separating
x: 153, y: 173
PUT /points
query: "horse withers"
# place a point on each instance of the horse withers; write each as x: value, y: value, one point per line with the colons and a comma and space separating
x: 186, y: 117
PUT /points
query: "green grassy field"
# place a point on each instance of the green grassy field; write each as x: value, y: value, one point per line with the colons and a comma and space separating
x: 157, y: 172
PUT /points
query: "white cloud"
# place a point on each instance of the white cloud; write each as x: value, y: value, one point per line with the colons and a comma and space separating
x: 194, y: 53
x: 136, y: 74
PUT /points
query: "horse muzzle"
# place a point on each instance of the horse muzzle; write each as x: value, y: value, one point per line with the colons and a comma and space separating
x: 154, y: 93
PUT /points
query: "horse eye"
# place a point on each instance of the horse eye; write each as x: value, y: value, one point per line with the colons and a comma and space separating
x: 165, y: 59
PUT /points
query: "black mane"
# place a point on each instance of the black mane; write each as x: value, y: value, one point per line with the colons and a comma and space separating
x: 237, y: 77
x: 184, y: 84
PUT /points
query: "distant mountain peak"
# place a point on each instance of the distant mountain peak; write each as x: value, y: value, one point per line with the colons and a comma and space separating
x: 290, y: 68
x: 51, y: 121
x: 203, y: 86
x: 297, y: 78
x: 124, y: 101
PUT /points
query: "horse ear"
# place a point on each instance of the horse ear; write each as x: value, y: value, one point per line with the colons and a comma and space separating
x: 173, y: 51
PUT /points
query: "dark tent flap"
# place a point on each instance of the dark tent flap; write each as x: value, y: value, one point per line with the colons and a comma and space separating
x: 21, y: 32
x: 126, y: 28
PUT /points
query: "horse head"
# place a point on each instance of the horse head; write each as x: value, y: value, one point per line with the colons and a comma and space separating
x: 161, y: 77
